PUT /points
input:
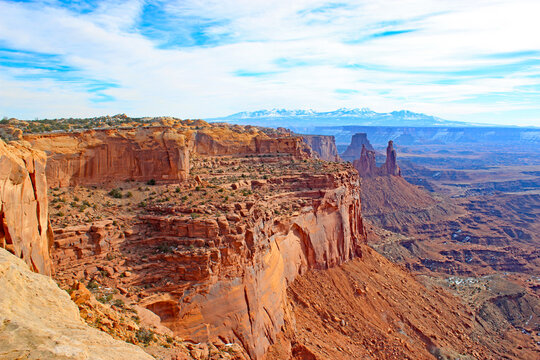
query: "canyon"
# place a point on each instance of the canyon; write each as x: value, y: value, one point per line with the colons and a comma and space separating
x: 200, y: 240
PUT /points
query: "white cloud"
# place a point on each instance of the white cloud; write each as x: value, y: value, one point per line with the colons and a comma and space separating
x: 408, y: 70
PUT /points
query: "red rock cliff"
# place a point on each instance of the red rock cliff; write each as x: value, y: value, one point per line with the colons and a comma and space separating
x: 24, y: 221
x: 95, y: 157
x: 235, y: 285
x: 324, y: 146
x: 221, y: 271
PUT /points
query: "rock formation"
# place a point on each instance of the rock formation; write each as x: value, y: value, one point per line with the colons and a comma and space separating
x: 390, y: 166
x: 220, y: 270
x: 39, y: 321
x: 95, y: 157
x: 354, y: 150
x: 367, y: 167
x: 324, y: 146
x: 98, y: 156
x: 24, y: 220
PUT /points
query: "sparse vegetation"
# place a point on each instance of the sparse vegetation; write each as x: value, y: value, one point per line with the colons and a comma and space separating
x: 116, y: 193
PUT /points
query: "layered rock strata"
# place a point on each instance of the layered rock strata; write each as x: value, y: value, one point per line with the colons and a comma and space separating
x: 220, y: 270
x: 24, y: 221
x: 324, y: 146
x: 96, y: 157
x: 367, y: 166
x: 161, y: 153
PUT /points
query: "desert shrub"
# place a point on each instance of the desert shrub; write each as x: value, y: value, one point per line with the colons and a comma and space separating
x: 105, y: 299
x: 92, y: 285
x: 116, y: 193
x: 151, y: 182
x: 129, y: 194
x: 145, y: 336
x: 118, y: 303
x: 164, y: 248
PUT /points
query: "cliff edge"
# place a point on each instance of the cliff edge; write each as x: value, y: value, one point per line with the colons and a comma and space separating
x: 24, y: 219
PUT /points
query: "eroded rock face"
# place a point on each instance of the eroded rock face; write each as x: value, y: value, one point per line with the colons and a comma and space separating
x: 324, y: 146
x: 354, y: 150
x: 390, y: 166
x: 39, y: 321
x: 24, y: 220
x: 220, y: 271
x: 246, y: 140
x: 367, y: 167
x: 234, y: 285
x: 96, y: 157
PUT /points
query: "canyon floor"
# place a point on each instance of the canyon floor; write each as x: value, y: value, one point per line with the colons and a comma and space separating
x: 476, y: 232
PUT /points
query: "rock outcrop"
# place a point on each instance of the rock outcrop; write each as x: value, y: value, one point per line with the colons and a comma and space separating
x: 24, y: 220
x: 39, y: 321
x: 324, y: 146
x: 221, y: 270
x: 96, y: 157
x: 161, y: 153
x: 234, y: 140
x: 367, y: 166
x: 354, y: 150
x: 390, y: 166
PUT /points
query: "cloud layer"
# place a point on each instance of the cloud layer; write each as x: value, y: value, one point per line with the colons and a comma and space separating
x: 462, y: 60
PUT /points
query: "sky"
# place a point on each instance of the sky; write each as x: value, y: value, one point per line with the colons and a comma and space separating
x: 476, y: 61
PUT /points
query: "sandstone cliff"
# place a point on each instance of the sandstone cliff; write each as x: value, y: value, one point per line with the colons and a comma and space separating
x: 354, y: 150
x: 235, y: 140
x: 162, y: 153
x: 238, y: 283
x: 324, y: 146
x: 39, y: 321
x: 95, y: 157
x: 367, y: 167
x: 24, y: 220
x: 219, y: 267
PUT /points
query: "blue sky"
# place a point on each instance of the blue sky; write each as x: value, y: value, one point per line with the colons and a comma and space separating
x: 475, y: 61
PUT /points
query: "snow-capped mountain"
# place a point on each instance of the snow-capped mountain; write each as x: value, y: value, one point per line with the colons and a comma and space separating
x: 309, y: 118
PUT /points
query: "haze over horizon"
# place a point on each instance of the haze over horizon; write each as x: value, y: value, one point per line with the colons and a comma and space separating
x: 459, y: 61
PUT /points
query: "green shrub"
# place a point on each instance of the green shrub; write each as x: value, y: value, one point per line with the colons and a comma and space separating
x: 145, y: 336
x: 151, y: 182
x: 92, y: 285
x: 116, y: 193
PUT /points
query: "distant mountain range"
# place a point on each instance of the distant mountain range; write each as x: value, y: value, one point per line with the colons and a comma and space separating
x: 300, y: 119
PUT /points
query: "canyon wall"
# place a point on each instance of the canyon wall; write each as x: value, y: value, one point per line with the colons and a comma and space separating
x: 24, y: 220
x: 221, y: 272
x: 324, y: 146
x: 95, y: 157
x: 354, y: 150
x: 234, y: 140
x: 367, y: 167
x: 239, y: 281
